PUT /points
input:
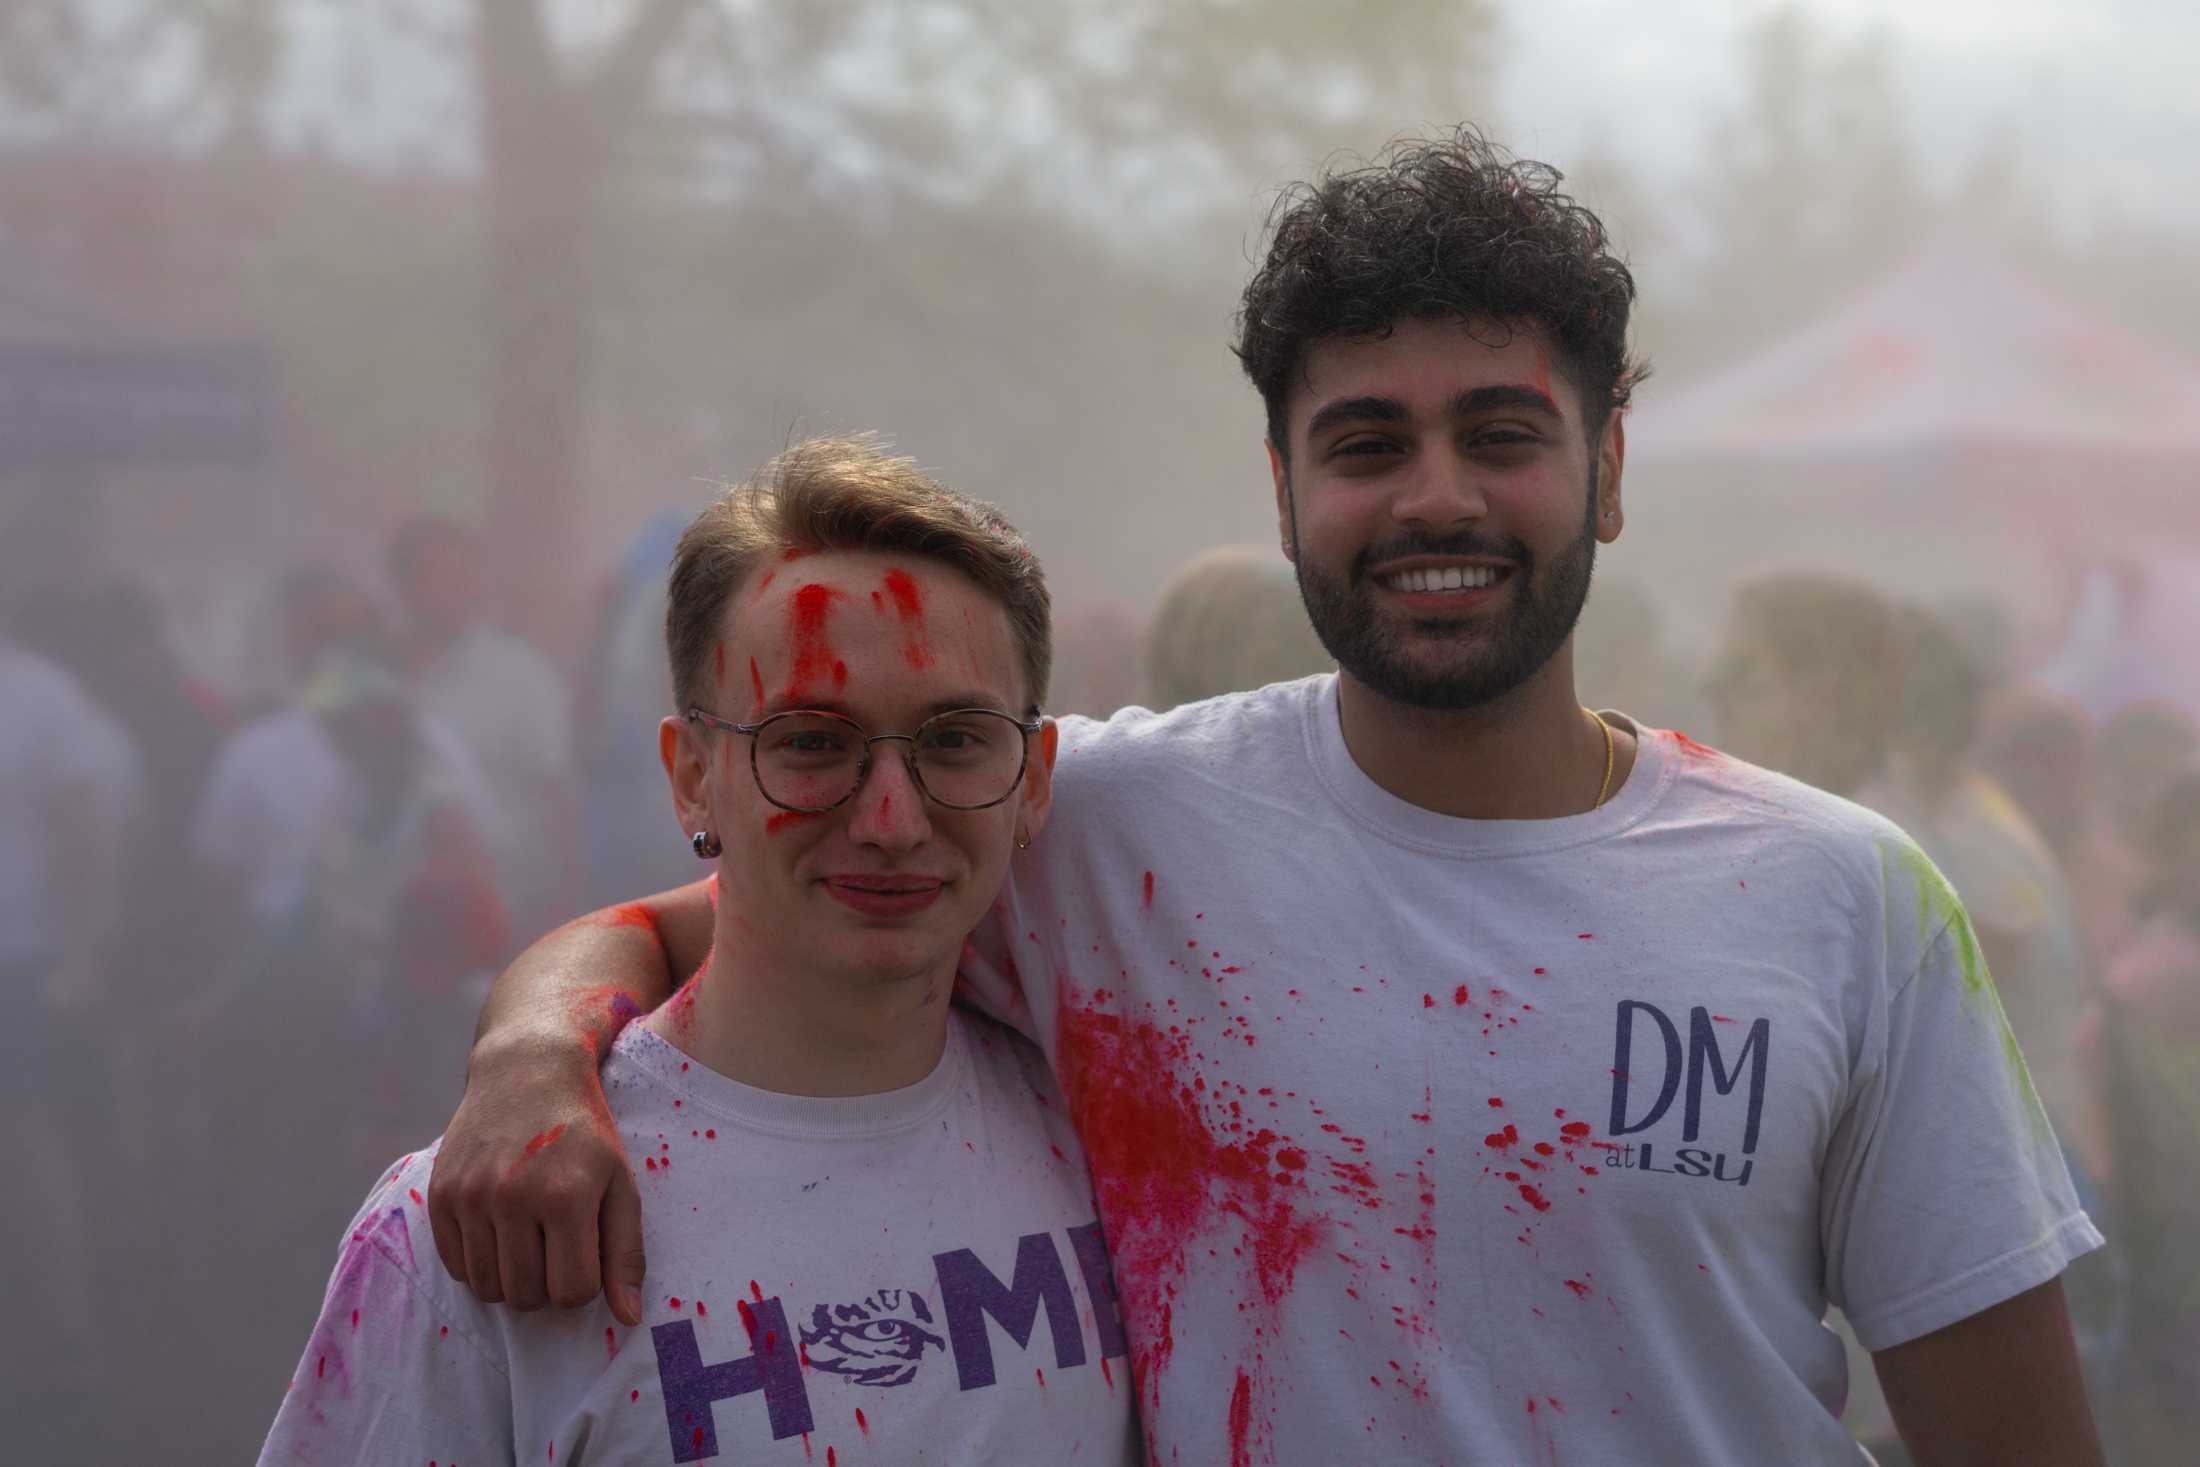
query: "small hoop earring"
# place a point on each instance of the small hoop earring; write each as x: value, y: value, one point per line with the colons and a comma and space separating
x: 706, y: 845
x: 1023, y: 842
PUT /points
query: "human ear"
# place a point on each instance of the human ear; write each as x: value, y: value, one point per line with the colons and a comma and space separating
x: 1281, y: 473
x: 1038, y: 789
x: 685, y: 751
x: 1611, y: 460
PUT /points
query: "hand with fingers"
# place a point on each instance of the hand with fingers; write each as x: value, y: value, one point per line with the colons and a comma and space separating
x: 532, y: 1200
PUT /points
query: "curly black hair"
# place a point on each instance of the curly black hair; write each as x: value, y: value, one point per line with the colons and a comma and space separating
x: 1435, y: 228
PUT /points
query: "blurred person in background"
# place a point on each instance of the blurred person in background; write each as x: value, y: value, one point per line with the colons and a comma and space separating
x: 2038, y: 745
x: 349, y: 896
x: 1622, y: 659
x: 1230, y: 621
x: 623, y: 682
x: 505, y: 700
x: 866, y: 1154
x: 315, y: 607
x: 1098, y: 645
x: 1803, y: 680
x: 2144, y: 1046
x: 1982, y: 841
x: 72, y: 799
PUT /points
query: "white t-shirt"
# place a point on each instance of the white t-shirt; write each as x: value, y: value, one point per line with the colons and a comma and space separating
x: 1427, y: 1140
x: 54, y: 741
x: 908, y: 1277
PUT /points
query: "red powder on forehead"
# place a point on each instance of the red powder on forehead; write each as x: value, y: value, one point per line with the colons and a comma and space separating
x: 909, y: 605
x: 811, y: 653
x: 1543, y: 377
x: 756, y: 688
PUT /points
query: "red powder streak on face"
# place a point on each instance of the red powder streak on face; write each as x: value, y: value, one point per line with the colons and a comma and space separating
x: 1164, y: 1181
x: 862, y: 1425
x: 909, y: 605
x: 812, y: 656
x: 1534, y: 1198
x: 546, y: 1138
x: 785, y: 819
x: 1543, y: 376
x: 1241, y: 1422
x: 756, y: 689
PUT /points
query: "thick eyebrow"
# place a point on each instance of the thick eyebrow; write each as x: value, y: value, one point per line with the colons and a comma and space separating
x: 1376, y: 409
x: 1504, y: 395
x: 1354, y: 410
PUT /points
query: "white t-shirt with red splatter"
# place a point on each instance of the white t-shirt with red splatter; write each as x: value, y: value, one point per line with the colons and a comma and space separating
x: 1427, y: 1140
x: 908, y: 1277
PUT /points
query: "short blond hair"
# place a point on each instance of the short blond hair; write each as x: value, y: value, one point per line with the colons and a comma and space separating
x: 846, y: 493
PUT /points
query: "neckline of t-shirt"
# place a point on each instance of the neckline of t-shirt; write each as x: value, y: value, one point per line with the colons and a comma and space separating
x: 808, y: 1117
x: 1406, y: 824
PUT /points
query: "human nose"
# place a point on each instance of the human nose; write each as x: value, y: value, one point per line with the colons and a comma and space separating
x: 1440, y: 491
x: 889, y: 807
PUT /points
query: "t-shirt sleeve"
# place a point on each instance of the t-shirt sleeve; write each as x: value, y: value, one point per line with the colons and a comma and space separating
x: 399, y: 1368
x: 1946, y: 1191
x: 986, y: 977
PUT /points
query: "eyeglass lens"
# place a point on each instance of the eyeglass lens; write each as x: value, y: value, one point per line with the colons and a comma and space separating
x: 813, y: 761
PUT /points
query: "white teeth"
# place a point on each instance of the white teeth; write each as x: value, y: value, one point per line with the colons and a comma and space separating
x: 1450, y: 578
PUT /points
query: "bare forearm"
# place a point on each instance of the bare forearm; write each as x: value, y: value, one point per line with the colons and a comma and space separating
x: 579, y: 985
x: 2000, y: 1388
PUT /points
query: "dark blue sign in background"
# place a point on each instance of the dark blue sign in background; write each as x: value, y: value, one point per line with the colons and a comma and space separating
x: 80, y: 405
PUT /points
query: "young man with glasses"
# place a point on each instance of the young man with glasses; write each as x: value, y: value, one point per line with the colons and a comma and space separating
x: 1467, y: 1076
x: 874, y: 1235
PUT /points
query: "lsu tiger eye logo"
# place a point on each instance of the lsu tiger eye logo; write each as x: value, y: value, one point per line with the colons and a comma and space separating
x: 880, y: 1341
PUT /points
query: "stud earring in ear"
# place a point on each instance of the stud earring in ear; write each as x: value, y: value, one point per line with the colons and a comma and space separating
x: 706, y: 845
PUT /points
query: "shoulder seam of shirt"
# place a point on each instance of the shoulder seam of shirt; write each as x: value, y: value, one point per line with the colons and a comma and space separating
x: 423, y: 1291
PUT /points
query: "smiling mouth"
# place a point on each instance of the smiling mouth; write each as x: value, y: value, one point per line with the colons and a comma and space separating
x: 1444, y: 578
x: 885, y: 896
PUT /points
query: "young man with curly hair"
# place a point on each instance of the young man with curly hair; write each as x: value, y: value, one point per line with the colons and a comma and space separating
x: 1466, y: 1075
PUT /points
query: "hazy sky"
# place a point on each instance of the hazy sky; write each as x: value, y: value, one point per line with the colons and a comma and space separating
x: 2101, y: 94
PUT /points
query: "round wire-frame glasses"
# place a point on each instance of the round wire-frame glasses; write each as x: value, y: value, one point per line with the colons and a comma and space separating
x: 914, y: 759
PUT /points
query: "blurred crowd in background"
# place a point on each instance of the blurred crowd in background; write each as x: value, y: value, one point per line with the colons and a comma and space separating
x: 247, y: 937
x: 359, y: 364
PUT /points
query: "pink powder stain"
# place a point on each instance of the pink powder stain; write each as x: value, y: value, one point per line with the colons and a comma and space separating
x: 786, y: 819
x: 1722, y: 1019
x: 909, y: 606
x: 543, y: 1139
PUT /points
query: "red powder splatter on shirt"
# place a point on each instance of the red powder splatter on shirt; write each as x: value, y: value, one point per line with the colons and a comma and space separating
x: 1460, y: 995
x: 909, y: 605
x: 1534, y: 1198
x: 1574, y: 1130
x: 1496, y: 1103
x: 702, y: 1310
x: 862, y: 1425
x: 1721, y: 1019
x: 414, y: 1194
x: 611, y: 1341
x: 1163, y: 1179
x: 673, y: 1300
x: 1145, y: 903
x: 1428, y: 1000
x: 812, y: 656
x: 832, y: 1458
x: 1581, y: 1290
x: 1241, y: 1421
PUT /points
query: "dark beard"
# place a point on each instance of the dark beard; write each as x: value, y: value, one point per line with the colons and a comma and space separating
x: 1536, y: 624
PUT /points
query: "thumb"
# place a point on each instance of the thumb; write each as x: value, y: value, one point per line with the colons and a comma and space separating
x: 619, y: 1231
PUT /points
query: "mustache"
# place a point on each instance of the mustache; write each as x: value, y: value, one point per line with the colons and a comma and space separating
x: 1466, y: 542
